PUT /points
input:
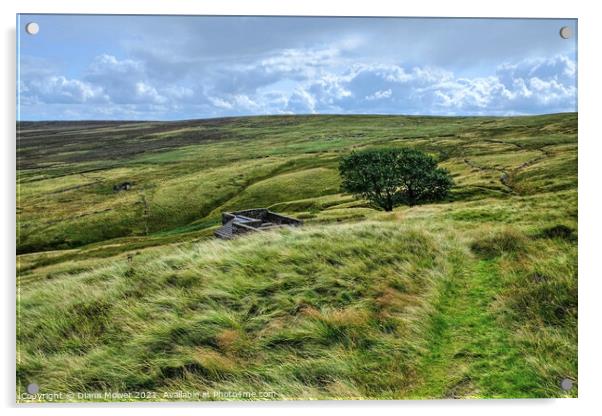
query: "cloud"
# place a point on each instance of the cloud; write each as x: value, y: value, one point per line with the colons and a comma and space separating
x: 148, y: 94
x: 59, y: 89
x: 125, y: 81
x: 379, y: 95
x: 347, y: 66
x: 415, y: 41
x: 107, y: 64
x: 300, y: 63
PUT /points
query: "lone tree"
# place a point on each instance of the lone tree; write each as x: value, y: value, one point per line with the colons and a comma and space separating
x: 391, y: 177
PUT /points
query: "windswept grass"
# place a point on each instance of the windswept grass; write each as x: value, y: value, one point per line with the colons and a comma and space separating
x: 301, y: 315
x: 128, y: 291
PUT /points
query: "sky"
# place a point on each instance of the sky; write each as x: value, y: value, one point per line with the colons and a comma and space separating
x: 85, y: 67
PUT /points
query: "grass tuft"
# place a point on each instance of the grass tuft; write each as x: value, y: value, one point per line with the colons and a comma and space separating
x: 559, y: 231
x: 505, y: 242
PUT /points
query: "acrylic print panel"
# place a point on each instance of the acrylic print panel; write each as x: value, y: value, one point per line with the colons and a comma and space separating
x: 275, y: 208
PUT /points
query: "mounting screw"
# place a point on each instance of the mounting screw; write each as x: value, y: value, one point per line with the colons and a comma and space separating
x: 566, y: 384
x: 565, y: 32
x: 32, y: 28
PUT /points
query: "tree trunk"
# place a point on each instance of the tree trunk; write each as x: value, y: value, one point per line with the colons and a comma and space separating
x: 389, y: 203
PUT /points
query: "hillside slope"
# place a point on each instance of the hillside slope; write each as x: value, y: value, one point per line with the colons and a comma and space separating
x: 185, y: 173
x: 128, y: 291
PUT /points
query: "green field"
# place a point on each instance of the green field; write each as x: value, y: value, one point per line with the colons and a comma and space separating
x: 472, y: 297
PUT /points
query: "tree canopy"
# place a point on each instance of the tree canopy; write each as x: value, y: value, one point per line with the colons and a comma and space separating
x: 391, y: 177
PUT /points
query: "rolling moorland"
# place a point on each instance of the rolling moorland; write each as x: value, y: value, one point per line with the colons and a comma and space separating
x: 473, y: 297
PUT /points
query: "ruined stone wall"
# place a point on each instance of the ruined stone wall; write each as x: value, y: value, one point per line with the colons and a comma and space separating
x: 281, y: 219
x: 238, y: 228
x: 257, y: 217
x: 259, y: 213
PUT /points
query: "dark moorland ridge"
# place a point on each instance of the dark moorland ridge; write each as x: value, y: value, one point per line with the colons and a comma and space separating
x: 123, y: 287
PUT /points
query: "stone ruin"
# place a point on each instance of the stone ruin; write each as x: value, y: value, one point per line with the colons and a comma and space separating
x: 252, y: 220
x: 124, y: 186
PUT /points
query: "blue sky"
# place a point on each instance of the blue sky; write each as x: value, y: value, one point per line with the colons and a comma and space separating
x: 169, y: 67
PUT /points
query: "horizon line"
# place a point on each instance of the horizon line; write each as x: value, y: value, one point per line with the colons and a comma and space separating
x: 291, y: 115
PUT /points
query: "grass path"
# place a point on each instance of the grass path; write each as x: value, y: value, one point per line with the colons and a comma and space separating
x: 470, y: 353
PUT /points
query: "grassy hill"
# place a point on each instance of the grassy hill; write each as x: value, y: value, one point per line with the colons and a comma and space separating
x: 128, y: 291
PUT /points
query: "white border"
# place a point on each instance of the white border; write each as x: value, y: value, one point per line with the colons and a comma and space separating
x: 590, y: 153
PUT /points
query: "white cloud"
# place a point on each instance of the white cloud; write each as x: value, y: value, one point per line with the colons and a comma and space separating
x: 379, y: 95
x: 103, y: 64
x: 299, y: 60
x: 301, y: 101
x: 318, y: 80
x: 244, y: 102
x: 219, y: 103
x: 59, y: 89
x: 148, y: 93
